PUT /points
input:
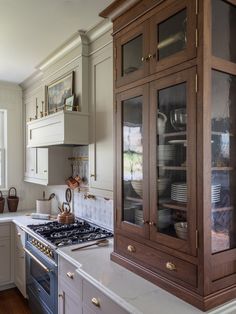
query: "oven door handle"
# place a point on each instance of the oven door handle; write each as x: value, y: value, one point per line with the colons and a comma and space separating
x: 37, y: 260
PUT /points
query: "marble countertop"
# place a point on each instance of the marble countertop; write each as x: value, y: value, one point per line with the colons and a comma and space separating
x: 129, y: 290
x: 135, y: 294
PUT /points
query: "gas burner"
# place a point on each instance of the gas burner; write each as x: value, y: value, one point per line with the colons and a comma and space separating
x: 68, y: 234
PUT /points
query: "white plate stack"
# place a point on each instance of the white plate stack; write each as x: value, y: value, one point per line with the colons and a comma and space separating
x: 165, y: 153
x: 179, y: 192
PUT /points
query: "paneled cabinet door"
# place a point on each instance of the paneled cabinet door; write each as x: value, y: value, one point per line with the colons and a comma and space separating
x: 173, y: 35
x: 173, y: 161
x: 5, y: 261
x: 20, y: 276
x: 42, y: 163
x: 101, y: 123
x: 30, y: 162
x: 132, y: 161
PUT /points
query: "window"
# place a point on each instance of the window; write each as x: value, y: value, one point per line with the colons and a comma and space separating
x: 2, y: 149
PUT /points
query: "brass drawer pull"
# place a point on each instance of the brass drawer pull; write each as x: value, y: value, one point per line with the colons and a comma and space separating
x: 70, y: 275
x: 170, y: 266
x: 95, y: 302
x: 131, y: 248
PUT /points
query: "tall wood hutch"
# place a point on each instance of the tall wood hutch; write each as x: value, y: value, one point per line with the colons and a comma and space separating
x: 175, y: 135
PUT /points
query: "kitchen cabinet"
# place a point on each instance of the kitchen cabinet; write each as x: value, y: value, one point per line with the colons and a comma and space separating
x: 19, y: 273
x: 69, y: 288
x: 95, y: 301
x: 6, y: 255
x: 42, y: 165
x: 165, y: 38
x: 175, y: 146
x: 77, y: 295
x: 101, y: 122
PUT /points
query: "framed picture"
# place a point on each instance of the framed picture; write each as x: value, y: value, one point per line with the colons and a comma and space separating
x: 69, y: 103
x: 58, y: 92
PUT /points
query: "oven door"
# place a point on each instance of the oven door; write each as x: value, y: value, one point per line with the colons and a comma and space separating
x: 41, y: 281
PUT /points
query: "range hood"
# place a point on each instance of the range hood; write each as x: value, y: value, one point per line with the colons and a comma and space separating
x: 60, y: 128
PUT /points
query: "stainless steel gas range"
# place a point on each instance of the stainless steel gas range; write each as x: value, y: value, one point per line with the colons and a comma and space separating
x: 42, y: 242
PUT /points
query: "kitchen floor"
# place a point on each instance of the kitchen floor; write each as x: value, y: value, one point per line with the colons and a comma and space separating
x: 12, y: 302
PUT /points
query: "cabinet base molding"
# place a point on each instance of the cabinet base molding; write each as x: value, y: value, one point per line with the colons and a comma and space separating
x: 7, y: 286
x: 203, y: 303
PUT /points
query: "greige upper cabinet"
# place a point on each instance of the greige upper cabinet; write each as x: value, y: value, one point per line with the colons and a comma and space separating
x: 101, y: 122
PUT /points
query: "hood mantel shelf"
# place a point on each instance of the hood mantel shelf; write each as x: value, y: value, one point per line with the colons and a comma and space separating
x: 60, y: 128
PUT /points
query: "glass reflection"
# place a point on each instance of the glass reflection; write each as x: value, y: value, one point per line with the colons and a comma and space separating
x: 171, y: 161
x: 132, y: 55
x: 172, y: 36
x: 223, y: 33
x: 223, y: 147
x: 132, y: 161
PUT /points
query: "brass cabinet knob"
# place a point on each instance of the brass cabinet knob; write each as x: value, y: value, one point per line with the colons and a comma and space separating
x: 131, y: 248
x: 70, y: 275
x: 95, y: 302
x: 170, y: 266
x: 152, y: 223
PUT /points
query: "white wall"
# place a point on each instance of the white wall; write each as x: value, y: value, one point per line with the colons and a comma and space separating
x: 11, y: 100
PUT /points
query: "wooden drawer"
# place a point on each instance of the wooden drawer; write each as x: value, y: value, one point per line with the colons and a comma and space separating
x: 157, y: 261
x: 68, y: 275
x: 105, y: 305
x: 5, y: 230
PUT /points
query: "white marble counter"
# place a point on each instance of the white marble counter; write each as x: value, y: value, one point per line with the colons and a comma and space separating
x: 132, y: 292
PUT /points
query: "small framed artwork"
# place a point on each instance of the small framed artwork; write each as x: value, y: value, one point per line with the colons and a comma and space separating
x: 58, y: 92
x: 69, y: 103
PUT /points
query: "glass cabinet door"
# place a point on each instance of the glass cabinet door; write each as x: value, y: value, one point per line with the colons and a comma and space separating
x: 132, y: 152
x: 223, y: 148
x: 173, y: 35
x: 173, y: 147
x: 131, y: 50
x: 223, y: 33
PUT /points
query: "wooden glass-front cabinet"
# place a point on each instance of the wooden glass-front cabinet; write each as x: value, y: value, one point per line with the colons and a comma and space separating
x: 175, y: 131
x: 165, y: 39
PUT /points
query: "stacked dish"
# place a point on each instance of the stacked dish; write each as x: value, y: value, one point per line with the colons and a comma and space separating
x: 179, y: 192
x: 165, y: 153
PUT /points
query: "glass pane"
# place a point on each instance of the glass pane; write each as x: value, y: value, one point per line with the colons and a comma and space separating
x: 40, y: 275
x: 132, y: 53
x: 223, y: 33
x: 132, y: 161
x: 223, y: 147
x: 172, y: 35
x: 171, y: 161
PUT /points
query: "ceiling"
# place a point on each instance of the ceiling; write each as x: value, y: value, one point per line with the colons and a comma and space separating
x: 30, y: 30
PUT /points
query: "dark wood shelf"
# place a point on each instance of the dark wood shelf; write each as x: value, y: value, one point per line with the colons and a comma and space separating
x: 175, y: 205
x: 222, y: 168
x: 221, y: 133
x: 173, y: 134
x: 221, y: 209
x: 134, y: 199
x: 179, y: 168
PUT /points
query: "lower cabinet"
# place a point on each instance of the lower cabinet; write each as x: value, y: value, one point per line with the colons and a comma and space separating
x: 76, y: 295
x: 69, y: 289
x: 5, y: 254
x: 19, y: 273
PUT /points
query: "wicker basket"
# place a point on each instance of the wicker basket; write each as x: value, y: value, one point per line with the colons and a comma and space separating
x: 12, y: 200
x: 2, y: 202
